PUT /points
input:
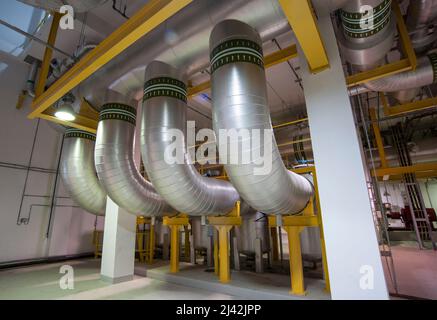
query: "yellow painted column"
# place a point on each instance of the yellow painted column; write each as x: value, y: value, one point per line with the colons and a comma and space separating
x: 224, y: 266
x: 140, y: 244
x: 151, y: 243
x: 296, y: 266
x: 174, y: 248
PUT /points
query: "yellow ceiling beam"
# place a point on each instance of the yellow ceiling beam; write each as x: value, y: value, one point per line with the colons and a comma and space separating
x: 406, y: 64
x: 269, y: 61
x: 419, y: 167
x: 148, y: 18
x: 407, y: 107
x: 300, y: 15
x: 81, y: 122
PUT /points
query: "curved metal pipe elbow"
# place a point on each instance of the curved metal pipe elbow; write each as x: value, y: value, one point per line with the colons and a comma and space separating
x: 179, y: 183
x: 115, y: 164
x: 239, y: 96
x: 423, y: 75
x: 78, y: 171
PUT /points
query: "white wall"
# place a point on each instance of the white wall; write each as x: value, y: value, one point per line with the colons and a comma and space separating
x: 72, y: 228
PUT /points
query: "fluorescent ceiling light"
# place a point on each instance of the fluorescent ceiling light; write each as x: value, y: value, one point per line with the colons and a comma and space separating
x: 65, y: 113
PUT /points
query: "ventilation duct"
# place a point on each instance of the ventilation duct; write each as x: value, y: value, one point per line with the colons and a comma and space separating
x: 182, y: 42
x: 239, y: 97
x: 55, y: 5
x: 421, y: 13
x: 425, y: 74
x: 115, y: 164
x: 180, y: 184
x: 365, y: 43
x: 78, y: 171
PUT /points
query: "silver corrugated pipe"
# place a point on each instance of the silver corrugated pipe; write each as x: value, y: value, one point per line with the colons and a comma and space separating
x: 425, y: 74
x: 180, y: 184
x: 115, y: 164
x: 366, y: 45
x: 240, y: 102
x: 78, y: 171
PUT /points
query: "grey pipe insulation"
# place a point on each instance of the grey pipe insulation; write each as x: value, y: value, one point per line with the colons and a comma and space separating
x: 115, y: 165
x: 78, y: 171
x: 180, y: 184
x: 239, y: 96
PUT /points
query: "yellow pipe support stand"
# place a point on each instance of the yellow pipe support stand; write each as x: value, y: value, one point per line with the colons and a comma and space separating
x: 174, y: 249
x: 296, y: 267
x: 224, y: 224
x: 174, y: 223
x: 224, y: 266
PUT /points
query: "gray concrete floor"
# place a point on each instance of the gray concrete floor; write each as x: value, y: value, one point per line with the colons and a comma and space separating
x: 150, y: 282
x: 42, y: 282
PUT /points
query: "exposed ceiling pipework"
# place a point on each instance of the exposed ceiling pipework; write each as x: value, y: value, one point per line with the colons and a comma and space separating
x: 78, y: 171
x: 365, y: 43
x: 182, y: 42
x: 240, y: 102
x: 179, y: 183
x: 55, y: 5
x: 421, y: 14
x: 423, y: 75
x: 115, y: 164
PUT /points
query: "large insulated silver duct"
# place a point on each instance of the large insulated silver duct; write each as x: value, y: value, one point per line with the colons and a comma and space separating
x: 182, y: 41
x: 365, y: 42
x: 239, y: 97
x: 78, y: 171
x: 425, y: 74
x: 115, y: 164
x: 179, y: 183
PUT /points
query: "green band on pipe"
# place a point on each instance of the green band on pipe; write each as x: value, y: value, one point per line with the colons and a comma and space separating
x: 351, y: 21
x: 118, y: 111
x: 165, y: 87
x: 76, y: 133
x: 236, y: 50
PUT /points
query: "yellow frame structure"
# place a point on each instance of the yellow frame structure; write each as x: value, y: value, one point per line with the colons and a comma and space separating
x: 300, y: 15
x: 407, y: 107
x: 145, y: 20
x: 293, y: 225
x: 406, y: 64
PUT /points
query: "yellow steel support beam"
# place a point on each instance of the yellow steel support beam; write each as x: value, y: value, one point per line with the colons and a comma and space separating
x: 378, y: 137
x: 300, y: 15
x: 45, y: 67
x: 82, y: 123
x: 174, y: 248
x: 289, y: 123
x: 269, y: 61
x: 186, y: 244
x: 175, y: 223
x: 407, y: 107
x: 224, y: 268
x: 408, y: 63
x: 145, y: 20
x: 296, y: 267
x: 419, y: 167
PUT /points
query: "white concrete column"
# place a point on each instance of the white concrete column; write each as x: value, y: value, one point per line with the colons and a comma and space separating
x: 118, y: 256
x: 354, y: 261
